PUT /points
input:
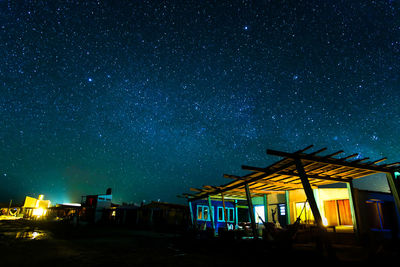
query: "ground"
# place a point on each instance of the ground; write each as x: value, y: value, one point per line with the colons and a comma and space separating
x: 30, y: 243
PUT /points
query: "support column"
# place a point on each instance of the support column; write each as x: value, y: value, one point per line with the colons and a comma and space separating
x: 211, y: 214
x: 251, y: 211
x: 353, y: 208
x: 309, y: 193
x: 223, y: 205
x: 394, y: 188
x: 9, y: 207
x: 265, y: 200
x: 191, y: 213
x: 236, y: 215
x: 287, y: 207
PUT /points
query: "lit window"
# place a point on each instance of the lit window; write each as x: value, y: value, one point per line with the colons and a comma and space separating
x: 282, y: 210
x: 203, y: 213
x: 199, y: 212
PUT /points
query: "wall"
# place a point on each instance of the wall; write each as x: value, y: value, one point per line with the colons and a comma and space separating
x: 215, y: 204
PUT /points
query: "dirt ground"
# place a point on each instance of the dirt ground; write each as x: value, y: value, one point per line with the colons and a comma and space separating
x: 29, y: 243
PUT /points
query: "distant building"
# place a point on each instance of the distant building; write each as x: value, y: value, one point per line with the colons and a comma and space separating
x: 96, y: 208
x: 35, y: 207
x: 160, y: 216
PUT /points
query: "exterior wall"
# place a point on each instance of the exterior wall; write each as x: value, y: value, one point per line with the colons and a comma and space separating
x: 30, y: 202
x: 104, y: 201
x: 384, y: 220
x: 34, y: 207
x: 215, y: 204
x: 96, y: 207
x: 273, y: 201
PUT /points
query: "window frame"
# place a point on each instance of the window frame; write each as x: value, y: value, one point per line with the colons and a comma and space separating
x: 232, y: 213
x: 220, y: 211
x: 203, y: 208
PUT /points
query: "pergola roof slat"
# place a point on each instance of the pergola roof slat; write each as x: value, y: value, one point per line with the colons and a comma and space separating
x: 283, y: 175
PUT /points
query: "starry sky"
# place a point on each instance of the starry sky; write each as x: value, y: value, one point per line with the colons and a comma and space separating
x: 151, y: 98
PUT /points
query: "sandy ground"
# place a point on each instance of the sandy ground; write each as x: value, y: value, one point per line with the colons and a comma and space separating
x: 27, y: 243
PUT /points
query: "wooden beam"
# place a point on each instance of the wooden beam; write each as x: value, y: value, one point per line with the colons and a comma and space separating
x: 251, y: 211
x: 392, y: 164
x: 223, y: 205
x: 327, y: 161
x: 196, y: 189
x: 309, y: 193
x: 334, y: 154
x: 287, y: 200
x: 191, y: 214
x: 232, y: 176
x: 359, y: 160
x: 211, y: 214
x: 229, y: 187
x: 319, y: 177
x: 350, y: 156
x: 255, y: 191
x: 269, y: 182
x: 254, y: 169
x: 265, y: 202
x: 353, y: 208
x: 377, y: 161
x: 394, y: 188
x: 318, y: 151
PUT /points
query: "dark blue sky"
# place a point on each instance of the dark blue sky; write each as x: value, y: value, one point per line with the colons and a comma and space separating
x: 154, y: 97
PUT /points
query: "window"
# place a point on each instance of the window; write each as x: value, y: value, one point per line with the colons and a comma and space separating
x: 259, y: 214
x: 230, y: 214
x: 199, y: 212
x: 282, y: 209
x: 303, y: 211
x: 221, y: 214
x: 337, y: 212
x: 203, y: 214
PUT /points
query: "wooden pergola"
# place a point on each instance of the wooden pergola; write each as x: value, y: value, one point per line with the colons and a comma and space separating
x: 300, y: 170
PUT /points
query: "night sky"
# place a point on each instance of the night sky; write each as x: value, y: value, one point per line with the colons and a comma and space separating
x: 151, y: 98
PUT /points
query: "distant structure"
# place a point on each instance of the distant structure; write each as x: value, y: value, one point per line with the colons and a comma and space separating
x: 35, y: 207
x: 96, y: 207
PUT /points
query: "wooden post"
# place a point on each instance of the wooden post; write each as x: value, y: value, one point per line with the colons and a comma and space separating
x: 9, y: 207
x: 223, y: 205
x: 394, y: 188
x: 191, y: 214
x: 353, y: 208
x: 309, y: 193
x: 265, y: 208
x: 236, y: 215
x: 211, y: 214
x: 251, y: 211
x: 287, y: 207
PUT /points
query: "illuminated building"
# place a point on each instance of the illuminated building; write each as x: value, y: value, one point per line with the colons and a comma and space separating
x: 36, y: 207
x: 302, y: 188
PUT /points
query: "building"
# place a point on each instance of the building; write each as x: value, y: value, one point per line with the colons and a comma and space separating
x: 161, y: 216
x: 302, y: 188
x: 35, y: 207
x: 97, y: 208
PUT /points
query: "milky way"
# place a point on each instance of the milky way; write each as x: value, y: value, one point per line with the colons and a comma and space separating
x: 151, y: 98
